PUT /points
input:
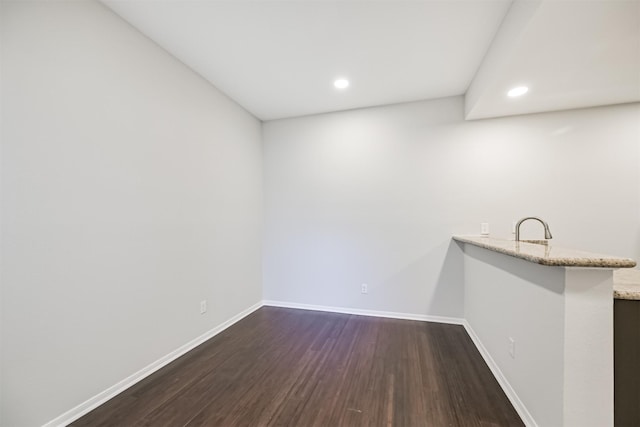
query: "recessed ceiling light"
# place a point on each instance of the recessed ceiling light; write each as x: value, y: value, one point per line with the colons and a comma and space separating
x: 341, y: 83
x: 517, y: 91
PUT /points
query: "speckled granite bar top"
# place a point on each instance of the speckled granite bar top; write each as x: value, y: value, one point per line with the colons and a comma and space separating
x: 626, y: 284
x: 547, y: 254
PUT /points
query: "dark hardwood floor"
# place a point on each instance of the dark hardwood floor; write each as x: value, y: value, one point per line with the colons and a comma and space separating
x: 285, y: 367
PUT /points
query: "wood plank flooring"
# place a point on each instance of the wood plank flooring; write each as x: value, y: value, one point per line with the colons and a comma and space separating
x: 285, y: 367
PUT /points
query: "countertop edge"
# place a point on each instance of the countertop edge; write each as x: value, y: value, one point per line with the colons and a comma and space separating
x: 626, y: 284
x: 581, y: 258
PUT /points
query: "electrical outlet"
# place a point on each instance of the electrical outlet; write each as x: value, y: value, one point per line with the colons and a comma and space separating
x: 512, y: 348
x: 203, y: 306
x: 364, y: 288
x: 484, y: 228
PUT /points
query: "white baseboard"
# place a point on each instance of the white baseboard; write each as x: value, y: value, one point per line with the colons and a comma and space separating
x: 97, y: 400
x: 520, y: 408
x: 373, y: 313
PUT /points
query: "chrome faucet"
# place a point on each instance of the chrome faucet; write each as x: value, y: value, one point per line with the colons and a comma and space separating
x: 547, y: 233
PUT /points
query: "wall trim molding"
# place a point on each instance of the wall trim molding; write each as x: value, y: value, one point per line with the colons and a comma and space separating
x: 518, y: 405
x: 100, y: 398
x: 373, y: 313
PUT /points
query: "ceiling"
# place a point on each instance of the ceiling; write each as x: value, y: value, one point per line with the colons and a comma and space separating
x: 571, y: 54
x: 279, y: 59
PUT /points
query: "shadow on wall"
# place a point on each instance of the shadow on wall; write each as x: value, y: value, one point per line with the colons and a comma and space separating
x: 525, y: 269
x: 432, y: 284
x: 449, y: 288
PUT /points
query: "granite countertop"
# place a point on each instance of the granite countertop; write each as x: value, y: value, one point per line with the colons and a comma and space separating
x: 626, y: 284
x: 547, y: 254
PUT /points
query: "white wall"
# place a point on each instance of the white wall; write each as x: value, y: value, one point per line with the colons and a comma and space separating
x: 373, y: 196
x: 131, y: 190
x: 1, y: 133
x: 507, y: 298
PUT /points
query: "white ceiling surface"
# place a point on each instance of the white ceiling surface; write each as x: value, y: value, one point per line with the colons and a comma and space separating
x: 571, y: 54
x: 279, y: 58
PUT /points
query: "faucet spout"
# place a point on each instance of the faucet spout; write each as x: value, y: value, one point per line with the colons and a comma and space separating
x: 547, y: 232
